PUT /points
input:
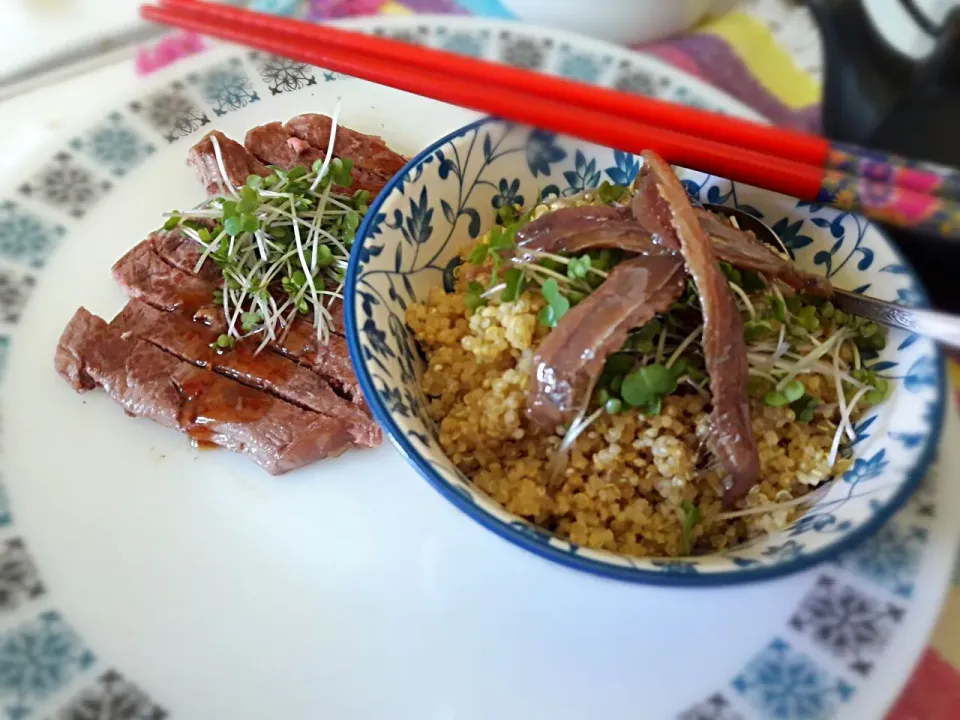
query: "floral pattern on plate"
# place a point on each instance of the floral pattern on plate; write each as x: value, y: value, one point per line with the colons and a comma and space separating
x: 225, y: 87
x: 784, y: 683
x: 172, y: 112
x: 115, y: 145
x: 111, y: 697
x: 26, y: 238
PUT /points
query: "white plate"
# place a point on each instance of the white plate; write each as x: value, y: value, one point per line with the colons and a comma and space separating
x: 137, y: 570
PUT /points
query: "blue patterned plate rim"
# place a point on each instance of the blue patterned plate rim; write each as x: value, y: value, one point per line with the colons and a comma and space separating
x: 732, y: 577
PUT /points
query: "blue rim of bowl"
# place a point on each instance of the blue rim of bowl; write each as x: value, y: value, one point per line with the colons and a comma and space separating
x: 595, y: 567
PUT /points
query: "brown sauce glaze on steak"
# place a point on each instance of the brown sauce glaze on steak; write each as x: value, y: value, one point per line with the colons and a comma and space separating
x: 144, y: 275
x: 190, y: 341
x: 665, y: 210
x: 573, y: 354
x: 331, y: 359
x: 148, y: 382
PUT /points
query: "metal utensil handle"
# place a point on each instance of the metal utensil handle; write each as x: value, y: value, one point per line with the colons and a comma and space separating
x: 939, y: 326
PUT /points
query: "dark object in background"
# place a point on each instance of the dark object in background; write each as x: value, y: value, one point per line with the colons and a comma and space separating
x: 876, y: 97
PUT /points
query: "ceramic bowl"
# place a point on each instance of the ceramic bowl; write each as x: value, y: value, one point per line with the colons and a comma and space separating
x: 448, y: 196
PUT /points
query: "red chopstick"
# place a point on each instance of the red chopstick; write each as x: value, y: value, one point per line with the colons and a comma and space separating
x: 452, y: 79
x: 789, y: 144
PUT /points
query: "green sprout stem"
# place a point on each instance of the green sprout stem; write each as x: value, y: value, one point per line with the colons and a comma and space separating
x: 540, y: 255
x: 744, y: 298
x: 290, y: 226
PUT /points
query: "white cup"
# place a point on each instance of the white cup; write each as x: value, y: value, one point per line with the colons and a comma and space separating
x: 618, y: 21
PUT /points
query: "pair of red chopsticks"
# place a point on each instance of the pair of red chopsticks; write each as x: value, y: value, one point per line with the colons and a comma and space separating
x: 882, y: 187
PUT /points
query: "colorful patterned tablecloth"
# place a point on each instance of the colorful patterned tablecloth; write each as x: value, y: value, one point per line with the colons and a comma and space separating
x: 766, y: 53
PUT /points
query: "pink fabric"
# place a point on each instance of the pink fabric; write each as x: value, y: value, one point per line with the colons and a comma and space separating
x: 679, y: 60
x: 322, y: 9
x: 168, y: 51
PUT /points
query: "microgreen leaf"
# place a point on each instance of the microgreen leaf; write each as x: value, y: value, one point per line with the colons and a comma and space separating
x: 479, y: 254
x: 474, y: 297
x: 233, y: 225
x: 793, y: 391
x: 804, y: 408
x: 648, y: 385
x: 779, y: 309
x: 754, y: 330
x: 296, y: 173
x: 500, y: 239
x: 775, y: 398
x: 609, y: 194
x: 507, y: 214
x: 515, y: 281
x: 547, y: 317
x: 691, y: 516
x: 578, y: 268
x: 618, y: 364
x: 733, y: 275
x: 324, y: 256
x: 557, y: 304
x: 653, y: 407
x: 612, y: 406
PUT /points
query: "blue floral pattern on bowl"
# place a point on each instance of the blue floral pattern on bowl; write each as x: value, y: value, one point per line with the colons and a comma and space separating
x: 449, y: 194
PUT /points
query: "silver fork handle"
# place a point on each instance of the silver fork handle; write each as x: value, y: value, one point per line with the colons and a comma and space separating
x: 939, y: 326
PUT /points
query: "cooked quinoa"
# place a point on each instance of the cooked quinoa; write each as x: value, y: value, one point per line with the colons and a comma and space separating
x: 629, y: 481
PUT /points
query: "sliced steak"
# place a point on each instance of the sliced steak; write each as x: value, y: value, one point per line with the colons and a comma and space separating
x: 268, y: 371
x: 331, y: 359
x: 273, y: 144
x: 183, y: 252
x: 237, y: 161
x: 373, y: 162
x: 574, y: 352
x: 142, y: 273
x: 148, y: 382
x: 146, y: 276
x: 301, y: 141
